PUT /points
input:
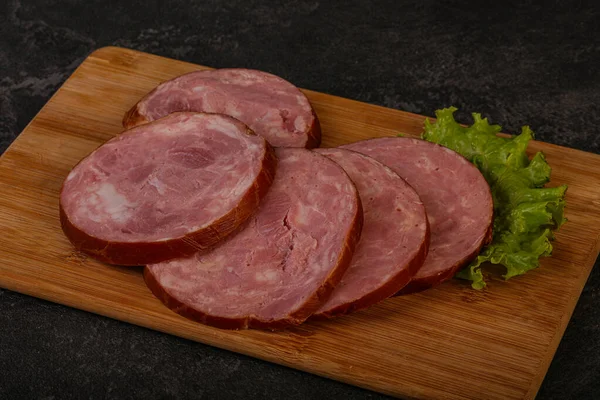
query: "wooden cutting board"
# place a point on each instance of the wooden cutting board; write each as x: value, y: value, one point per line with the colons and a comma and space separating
x: 449, y: 342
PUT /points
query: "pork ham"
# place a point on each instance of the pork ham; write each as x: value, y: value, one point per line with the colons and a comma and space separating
x: 394, y: 239
x: 166, y: 189
x: 268, y: 104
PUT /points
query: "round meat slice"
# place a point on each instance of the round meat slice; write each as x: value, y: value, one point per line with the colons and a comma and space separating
x: 457, y: 199
x: 166, y: 189
x: 271, y: 106
x: 284, y: 263
x: 394, y: 239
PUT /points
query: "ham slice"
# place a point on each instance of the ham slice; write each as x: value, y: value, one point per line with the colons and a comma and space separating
x: 269, y: 105
x: 457, y: 199
x: 394, y: 238
x: 283, y: 264
x: 166, y: 189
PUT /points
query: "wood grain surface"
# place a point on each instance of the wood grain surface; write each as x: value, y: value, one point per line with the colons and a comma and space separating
x: 449, y: 342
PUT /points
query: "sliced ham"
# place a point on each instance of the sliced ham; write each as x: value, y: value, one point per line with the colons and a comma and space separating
x: 166, y: 189
x: 269, y: 105
x: 457, y: 199
x: 394, y: 238
x: 283, y: 264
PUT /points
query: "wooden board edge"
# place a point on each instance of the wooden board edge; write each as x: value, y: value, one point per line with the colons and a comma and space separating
x: 59, y: 90
x: 59, y: 295
x: 590, y: 261
x: 111, y: 50
x: 98, y: 54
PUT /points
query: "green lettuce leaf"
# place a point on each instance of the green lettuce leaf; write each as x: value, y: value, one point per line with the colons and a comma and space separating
x: 525, y: 212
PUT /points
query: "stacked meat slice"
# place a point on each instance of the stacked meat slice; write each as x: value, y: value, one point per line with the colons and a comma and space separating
x: 166, y: 189
x: 394, y: 241
x: 235, y: 234
x: 265, y: 102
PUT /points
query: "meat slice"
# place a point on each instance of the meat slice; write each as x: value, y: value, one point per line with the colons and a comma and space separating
x: 457, y: 199
x: 394, y: 238
x: 166, y: 189
x: 269, y: 105
x: 285, y: 262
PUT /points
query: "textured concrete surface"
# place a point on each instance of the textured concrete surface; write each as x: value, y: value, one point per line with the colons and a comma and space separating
x: 516, y: 62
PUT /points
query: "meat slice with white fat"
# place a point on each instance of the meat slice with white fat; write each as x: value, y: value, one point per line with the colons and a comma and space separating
x: 269, y: 105
x: 283, y: 264
x: 394, y: 239
x: 457, y: 200
x: 166, y: 189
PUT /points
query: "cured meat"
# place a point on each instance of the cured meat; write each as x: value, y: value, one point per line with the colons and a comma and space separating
x: 394, y: 238
x: 285, y: 262
x: 269, y: 105
x: 166, y: 189
x: 457, y: 199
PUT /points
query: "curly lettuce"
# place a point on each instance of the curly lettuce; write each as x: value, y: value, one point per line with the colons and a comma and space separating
x: 525, y: 212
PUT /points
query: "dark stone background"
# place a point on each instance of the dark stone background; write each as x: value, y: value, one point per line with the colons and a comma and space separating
x: 517, y: 62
